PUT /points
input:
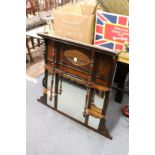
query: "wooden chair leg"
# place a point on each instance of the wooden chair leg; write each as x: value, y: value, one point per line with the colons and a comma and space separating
x: 32, y: 42
x: 28, y: 49
x: 27, y: 59
x: 38, y: 42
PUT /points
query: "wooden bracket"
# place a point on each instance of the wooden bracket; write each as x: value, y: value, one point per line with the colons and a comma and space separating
x: 94, y: 111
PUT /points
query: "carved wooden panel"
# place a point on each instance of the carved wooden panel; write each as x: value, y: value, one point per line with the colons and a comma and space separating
x: 50, y: 50
x: 75, y: 58
x: 103, y: 65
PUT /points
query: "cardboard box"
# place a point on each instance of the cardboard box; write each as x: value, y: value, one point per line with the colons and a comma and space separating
x: 75, y: 22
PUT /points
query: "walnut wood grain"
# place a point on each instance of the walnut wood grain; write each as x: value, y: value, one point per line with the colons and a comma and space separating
x: 77, y: 57
x: 94, y: 114
x: 84, y: 82
x: 58, y: 71
x: 95, y: 108
x: 98, y: 87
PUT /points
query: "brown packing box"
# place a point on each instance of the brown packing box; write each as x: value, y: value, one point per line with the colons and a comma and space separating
x: 75, y: 22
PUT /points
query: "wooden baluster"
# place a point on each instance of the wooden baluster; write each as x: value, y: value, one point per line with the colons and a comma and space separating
x: 86, y: 102
x: 60, y: 89
x: 57, y: 57
x: 52, y: 76
x: 91, y: 90
x: 52, y: 82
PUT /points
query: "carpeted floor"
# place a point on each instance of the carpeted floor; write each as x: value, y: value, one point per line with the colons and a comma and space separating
x: 49, y: 133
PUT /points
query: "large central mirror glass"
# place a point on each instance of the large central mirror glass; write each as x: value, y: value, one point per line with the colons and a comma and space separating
x: 72, y: 101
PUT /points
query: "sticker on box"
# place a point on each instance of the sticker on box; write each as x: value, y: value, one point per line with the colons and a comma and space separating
x: 111, y: 30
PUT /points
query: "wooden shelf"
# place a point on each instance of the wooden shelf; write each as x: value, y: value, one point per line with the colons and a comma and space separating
x: 94, y: 114
x: 94, y: 111
x: 95, y: 108
x: 98, y: 87
x: 124, y: 57
x: 90, y: 85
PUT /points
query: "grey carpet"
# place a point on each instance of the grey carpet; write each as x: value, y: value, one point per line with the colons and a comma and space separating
x: 50, y: 133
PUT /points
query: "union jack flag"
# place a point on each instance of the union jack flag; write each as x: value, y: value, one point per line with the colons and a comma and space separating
x: 111, y: 31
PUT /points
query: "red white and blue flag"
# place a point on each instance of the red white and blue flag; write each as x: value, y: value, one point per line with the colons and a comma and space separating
x: 112, y: 30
